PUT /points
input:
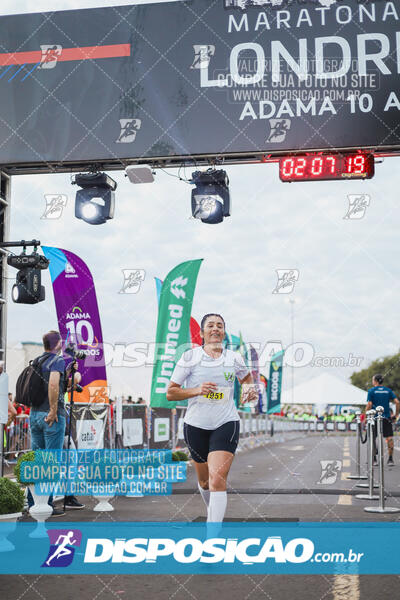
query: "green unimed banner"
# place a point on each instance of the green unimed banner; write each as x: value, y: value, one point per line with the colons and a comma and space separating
x: 174, y: 312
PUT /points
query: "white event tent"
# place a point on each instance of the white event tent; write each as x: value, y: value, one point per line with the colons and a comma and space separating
x: 325, y: 390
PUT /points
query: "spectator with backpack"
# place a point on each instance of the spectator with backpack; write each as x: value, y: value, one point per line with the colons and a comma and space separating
x: 41, y: 386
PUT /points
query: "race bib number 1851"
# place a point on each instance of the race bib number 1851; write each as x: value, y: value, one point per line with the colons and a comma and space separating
x: 221, y: 394
x: 215, y: 395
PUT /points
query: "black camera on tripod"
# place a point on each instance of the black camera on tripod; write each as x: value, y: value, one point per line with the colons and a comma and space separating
x: 76, y: 354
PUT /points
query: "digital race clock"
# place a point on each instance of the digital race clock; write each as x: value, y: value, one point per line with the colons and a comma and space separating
x: 318, y: 167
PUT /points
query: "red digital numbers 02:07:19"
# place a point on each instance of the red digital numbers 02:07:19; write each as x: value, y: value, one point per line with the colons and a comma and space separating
x: 317, y: 167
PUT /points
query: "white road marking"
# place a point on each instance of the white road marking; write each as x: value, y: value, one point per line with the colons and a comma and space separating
x: 345, y: 500
x: 346, y: 587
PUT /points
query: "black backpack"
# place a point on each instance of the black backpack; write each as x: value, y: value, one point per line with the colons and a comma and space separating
x: 31, y: 388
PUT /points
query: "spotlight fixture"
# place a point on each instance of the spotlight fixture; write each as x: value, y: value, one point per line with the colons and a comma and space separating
x: 28, y: 288
x: 95, y: 202
x: 211, y: 198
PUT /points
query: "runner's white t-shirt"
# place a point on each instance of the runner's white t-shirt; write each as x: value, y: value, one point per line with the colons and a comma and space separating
x: 196, y: 367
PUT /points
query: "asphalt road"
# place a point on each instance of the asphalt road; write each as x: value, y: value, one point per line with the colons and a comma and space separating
x: 282, y: 480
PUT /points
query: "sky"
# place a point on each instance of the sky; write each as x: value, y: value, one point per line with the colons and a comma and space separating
x: 346, y: 297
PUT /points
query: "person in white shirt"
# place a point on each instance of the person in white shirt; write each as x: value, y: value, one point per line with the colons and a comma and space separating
x: 211, y: 423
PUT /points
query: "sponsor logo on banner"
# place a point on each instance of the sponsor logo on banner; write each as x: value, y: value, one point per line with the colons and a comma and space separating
x: 330, y: 470
x: 286, y: 281
x: 62, y: 547
x: 202, y: 56
x: 50, y: 55
x: 80, y: 329
x: 55, y: 204
x: 129, y: 129
x: 132, y: 280
x: 70, y: 271
x: 176, y: 287
x: 278, y: 130
x: 161, y: 429
x: 132, y: 432
x: 90, y: 434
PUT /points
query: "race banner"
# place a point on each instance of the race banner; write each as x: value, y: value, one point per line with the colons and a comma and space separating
x: 158, y: 288
x: 79, y: 320
x: 225, y: 78
x: 233, y: 342
x: 194, y: 326
x: 89, y: 427
x: 255, y: 371
x: 134, y: 433
x: 173, y: 325
x: 275, y: 383
x: 264, y: 382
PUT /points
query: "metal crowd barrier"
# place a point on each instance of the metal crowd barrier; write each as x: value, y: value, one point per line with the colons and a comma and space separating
x: 17, y: 437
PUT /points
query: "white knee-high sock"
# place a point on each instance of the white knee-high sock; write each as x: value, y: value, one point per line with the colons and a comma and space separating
x: 217, y: 507
x: 205, y: 494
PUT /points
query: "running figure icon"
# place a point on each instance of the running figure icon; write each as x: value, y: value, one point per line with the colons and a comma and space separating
x: 62, y: 550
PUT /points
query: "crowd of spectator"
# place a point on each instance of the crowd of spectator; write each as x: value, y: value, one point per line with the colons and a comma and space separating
x: 16, y: 431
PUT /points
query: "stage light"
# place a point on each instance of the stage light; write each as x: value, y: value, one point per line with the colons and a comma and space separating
x: 211, y: 198
x: 95, y: 202
x: 28, y: 288
x: 91, y: 211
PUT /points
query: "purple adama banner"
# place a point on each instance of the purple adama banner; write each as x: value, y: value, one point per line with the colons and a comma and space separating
x: 79, y: 320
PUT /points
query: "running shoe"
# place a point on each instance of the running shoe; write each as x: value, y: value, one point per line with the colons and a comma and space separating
x: 72, y: 502
x: 58, y: 512
x: 390, y: 461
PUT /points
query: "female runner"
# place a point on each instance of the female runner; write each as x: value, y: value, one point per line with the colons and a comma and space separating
x: 211, y: 423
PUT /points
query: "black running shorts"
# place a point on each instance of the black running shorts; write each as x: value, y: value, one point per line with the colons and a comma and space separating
x: 202, y: 441
x: 387, y: 428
